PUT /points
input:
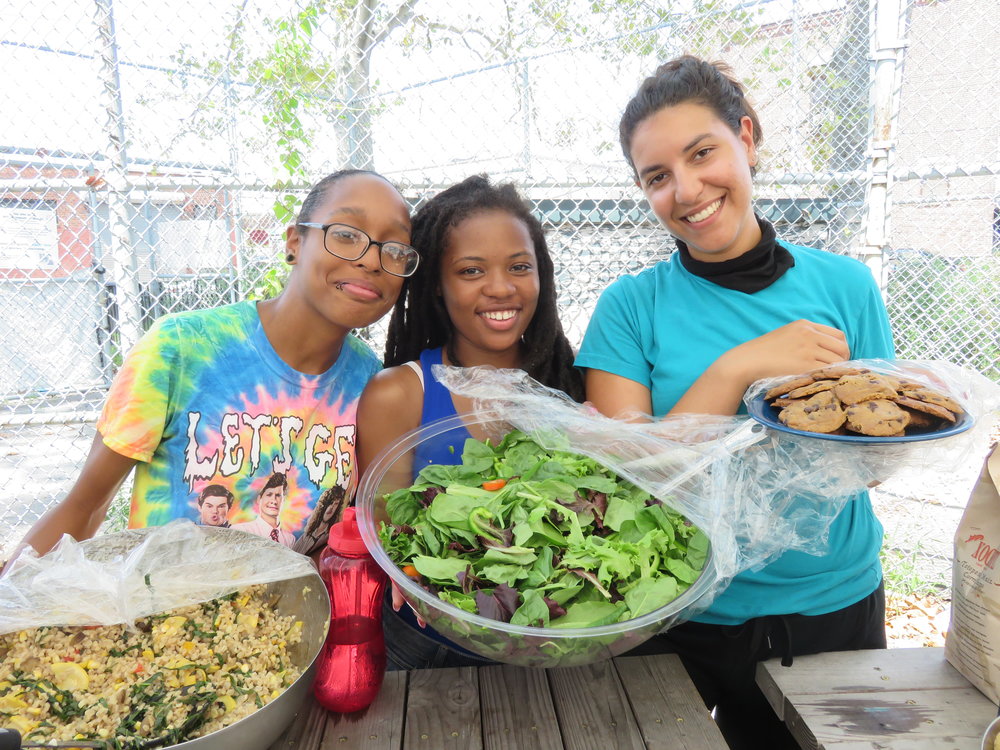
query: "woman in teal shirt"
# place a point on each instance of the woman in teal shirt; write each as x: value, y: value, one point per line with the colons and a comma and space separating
x: 733, y: 305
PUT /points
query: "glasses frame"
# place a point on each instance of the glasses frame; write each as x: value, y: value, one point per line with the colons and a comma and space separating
x: 363, y: 233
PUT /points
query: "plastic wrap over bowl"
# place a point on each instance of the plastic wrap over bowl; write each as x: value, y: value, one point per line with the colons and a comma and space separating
x: 116, y: 558
x: 494, y: 639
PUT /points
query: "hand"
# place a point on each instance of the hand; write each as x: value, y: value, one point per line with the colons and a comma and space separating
x: 398, y: 601
x: 789, y: 350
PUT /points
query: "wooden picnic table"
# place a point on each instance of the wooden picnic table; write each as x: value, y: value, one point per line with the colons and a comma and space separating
x: 901, y: 698
x: 628, y: 703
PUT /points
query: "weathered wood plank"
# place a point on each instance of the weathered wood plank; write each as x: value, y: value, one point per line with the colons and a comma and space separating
x: 874, y: 669
x: 517, y: 709
x: 767, y: 676
x: 926, y: 719
x: 593, y: 710
x: 442, y: 710
x: 670, y: 712
x: 378, y: 727
x: 906, y: 699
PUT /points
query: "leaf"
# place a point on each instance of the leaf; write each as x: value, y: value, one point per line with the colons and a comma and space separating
x: 445, y: 569
x: 619, y: 511
x: 682, y: 571
x: 505, y: 573
x: 402, y: 507
x: 459, y: 599
x: 498, y: 604
x: 650, y: 594
x: 514, y: 555
x: 588, y: 615
x: 477, y: 456
x: 533, y: 612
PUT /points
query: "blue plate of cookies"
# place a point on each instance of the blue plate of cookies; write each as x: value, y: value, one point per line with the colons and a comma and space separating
x: 859, y: 406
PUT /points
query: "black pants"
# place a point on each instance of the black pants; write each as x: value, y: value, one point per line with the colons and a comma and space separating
x: 408, y: 646
x: 722, y: 662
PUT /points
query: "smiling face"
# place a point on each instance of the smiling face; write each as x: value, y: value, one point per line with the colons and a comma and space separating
x: 349, y: 294
x: 695, y: 173
x: 489, y: 285
x: 269, y: 504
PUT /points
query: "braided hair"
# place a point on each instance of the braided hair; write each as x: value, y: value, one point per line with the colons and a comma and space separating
x: 419, y: 319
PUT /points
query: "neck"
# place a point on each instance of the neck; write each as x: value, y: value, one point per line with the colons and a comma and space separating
x: 304, y: 342
x: 465, y: 356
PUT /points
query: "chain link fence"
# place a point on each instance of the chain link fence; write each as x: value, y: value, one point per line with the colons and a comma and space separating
x: 151, y: 155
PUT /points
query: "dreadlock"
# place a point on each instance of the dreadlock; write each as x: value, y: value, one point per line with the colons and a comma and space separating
x: 419, y: 319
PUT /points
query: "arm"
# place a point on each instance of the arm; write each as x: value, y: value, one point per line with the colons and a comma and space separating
x: 612, y: 395
x: 390, y: 406
x: 793, y: 348
x: 83, y: 510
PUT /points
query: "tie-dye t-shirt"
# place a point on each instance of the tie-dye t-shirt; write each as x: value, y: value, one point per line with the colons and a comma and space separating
x: 210, y: 410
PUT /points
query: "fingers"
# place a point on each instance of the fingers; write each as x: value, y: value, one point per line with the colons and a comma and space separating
x: 818, y: 342
x: 796, y: 347
x: 398, y: 600
x: 835, y: 345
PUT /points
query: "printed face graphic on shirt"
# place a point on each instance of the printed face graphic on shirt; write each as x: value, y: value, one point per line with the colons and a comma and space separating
x: 269, y: 504
x: 214, y: 510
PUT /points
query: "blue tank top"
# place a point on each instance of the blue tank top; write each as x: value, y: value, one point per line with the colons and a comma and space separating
x: 447, y: 448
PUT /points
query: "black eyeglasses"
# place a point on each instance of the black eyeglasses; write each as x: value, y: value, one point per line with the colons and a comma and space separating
x: 350, y: 243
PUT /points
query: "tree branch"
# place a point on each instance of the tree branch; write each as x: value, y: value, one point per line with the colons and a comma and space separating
x: 403, y: 14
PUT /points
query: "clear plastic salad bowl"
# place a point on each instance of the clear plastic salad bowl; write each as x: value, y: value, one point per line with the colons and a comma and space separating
x: 495, y: 639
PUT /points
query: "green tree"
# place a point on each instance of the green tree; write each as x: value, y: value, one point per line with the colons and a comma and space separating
x: 312, y: 65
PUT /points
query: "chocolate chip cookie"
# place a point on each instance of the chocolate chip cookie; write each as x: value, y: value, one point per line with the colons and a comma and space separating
x: 821, y: 412
x: 877, y: 417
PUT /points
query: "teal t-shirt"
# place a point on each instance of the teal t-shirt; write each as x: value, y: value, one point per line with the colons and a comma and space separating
x: 664, y: 326
x: 206, y: 405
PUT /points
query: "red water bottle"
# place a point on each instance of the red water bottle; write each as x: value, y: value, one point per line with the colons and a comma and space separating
x: 352, y: 663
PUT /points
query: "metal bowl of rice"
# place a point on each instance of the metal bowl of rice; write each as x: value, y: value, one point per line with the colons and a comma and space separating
x: 228, y: 672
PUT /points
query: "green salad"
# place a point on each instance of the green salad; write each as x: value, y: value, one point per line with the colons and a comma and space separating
x: 540, y: 538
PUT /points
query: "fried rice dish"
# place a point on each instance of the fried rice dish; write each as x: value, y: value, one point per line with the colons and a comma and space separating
x: 167, y: 679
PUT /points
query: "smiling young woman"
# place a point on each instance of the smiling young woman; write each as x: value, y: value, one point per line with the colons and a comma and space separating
x: 732, y: 305
x: 484, y: 294
x: 233, y: 397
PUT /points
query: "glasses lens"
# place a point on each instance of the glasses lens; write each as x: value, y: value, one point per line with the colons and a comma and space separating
x: 399, y: 259
x: 346, y: 242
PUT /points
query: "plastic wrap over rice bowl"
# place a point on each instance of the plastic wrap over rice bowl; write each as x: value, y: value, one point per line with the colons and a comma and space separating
x: 176, y: 636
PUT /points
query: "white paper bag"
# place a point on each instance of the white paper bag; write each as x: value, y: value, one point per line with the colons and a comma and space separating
x: 973, y: 642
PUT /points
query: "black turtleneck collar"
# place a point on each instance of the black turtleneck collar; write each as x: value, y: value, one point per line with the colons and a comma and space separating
x: 756, y: 269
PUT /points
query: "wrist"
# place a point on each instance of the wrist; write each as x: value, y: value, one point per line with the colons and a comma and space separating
x: 731, y: 368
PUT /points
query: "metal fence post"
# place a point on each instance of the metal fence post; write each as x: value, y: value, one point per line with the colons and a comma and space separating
x: 886, y: 59
x: 123, y: 270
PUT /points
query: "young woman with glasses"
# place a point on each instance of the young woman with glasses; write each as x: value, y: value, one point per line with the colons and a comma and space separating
x: 239, y: 394
x: 732, y: 305
x: 483, y: 294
